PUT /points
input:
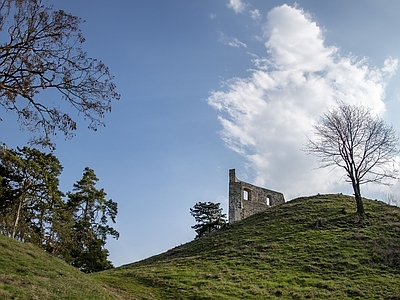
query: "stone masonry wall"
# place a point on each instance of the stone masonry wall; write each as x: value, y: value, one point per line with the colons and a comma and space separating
x: 246, y: 199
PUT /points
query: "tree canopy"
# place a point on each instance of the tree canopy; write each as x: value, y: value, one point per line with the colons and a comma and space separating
x: 34, y: 210
x: 91, y: 212
x: 209, y: 217
x: 44, y: 52
x: 353, y: 138
x: 29, y: 193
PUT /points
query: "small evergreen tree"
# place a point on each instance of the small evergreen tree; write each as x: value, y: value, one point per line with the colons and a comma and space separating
x: 209, y: 217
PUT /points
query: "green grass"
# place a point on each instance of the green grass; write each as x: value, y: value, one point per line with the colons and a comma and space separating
x: 27, y: 272
x: 308, y: 248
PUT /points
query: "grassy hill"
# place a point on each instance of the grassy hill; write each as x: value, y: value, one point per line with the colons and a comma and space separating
x: 27, y: 272
x: 308, y: 248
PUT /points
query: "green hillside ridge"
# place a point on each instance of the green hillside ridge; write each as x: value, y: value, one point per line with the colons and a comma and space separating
x: 308, y: 248
x: 27, y: 272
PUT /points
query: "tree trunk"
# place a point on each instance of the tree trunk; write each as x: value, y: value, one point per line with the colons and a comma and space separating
x: 25, y: 187
x: 17, y: 217
x: 357, y: 195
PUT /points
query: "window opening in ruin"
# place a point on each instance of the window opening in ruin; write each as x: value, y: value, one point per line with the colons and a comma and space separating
x: 246, y: 195
x: 268, y: 200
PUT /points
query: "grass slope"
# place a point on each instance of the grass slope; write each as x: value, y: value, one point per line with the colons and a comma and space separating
x: 27, y: 272
x: 308, y: 248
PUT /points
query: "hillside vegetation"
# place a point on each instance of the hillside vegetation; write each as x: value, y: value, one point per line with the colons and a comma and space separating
x: 308, y: 248
x: 27, y: 272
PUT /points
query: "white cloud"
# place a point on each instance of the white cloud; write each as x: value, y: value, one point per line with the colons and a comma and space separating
x: 267, y: 116
x: 390, y: 66
x: 255, y: 14
x: 212, y: 16
x: 237, y: 5
x: 233, y: 42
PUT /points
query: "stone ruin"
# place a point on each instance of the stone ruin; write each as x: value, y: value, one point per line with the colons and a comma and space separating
x: 246, y: 199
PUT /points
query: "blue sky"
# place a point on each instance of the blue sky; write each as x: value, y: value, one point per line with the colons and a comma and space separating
x: 209, y: 85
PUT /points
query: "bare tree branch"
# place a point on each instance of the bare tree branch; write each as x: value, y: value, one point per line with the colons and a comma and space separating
x: 44, y: 52
x: 352, y: 138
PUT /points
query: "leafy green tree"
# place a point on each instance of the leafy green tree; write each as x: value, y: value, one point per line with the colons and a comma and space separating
x: 362, y: 144
x: 91, y: 212
x: 209, y: 217
x: 32, y: 209
x: 29, y: 194
x: 43, y: 52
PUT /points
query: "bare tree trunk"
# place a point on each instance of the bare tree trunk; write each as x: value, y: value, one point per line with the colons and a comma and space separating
x: 17, y: 217
x: 357, y: 195
x: 25, y: 187
x: 360, y: 205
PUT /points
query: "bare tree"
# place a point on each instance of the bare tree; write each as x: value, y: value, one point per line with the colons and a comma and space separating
x: 353, y: 138
x: 43, y: 52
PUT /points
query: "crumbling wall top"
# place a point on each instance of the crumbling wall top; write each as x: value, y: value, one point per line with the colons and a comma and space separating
x: 246, y: 199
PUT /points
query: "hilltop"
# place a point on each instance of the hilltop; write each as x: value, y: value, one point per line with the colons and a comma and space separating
x: 309, y: 248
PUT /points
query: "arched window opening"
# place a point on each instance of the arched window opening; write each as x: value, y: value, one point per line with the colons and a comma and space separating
x: 246, y: 195
x: 268, y: 200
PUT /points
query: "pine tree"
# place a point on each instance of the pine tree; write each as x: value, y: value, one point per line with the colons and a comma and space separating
x: 209, y: 217
x: 91, y: 212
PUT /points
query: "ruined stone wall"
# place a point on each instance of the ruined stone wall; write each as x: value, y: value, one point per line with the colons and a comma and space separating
x: 246, y: 199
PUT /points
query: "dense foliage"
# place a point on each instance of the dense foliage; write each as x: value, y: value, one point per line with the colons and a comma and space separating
x: 34, y: 210
x: 209, y: 217
x: 90, y: 214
